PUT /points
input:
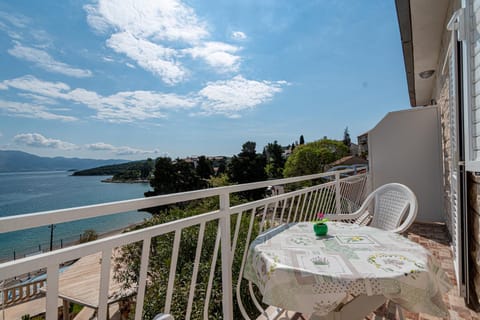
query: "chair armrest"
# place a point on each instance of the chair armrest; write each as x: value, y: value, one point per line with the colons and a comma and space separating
x: 354, y: 215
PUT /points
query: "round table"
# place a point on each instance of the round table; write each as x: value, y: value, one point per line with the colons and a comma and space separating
x: 296, y: 270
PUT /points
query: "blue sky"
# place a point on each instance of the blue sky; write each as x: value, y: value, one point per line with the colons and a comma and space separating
x: 136, y: 79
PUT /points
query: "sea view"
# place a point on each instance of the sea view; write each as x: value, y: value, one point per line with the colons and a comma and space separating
x: 28, y: 192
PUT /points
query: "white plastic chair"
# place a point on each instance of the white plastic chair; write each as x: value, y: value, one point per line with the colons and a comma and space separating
x: 394, y: 208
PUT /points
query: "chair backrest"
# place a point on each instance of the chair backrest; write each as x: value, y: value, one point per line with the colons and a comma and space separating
x: 395, y: 207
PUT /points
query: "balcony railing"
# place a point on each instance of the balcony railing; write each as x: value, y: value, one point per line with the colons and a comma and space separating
x: 236, y: 227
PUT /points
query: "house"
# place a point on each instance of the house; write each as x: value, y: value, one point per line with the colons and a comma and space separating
x: 441, y: 50
x: 363, y: 144
x: 347, y: 161
x: 354, y: 149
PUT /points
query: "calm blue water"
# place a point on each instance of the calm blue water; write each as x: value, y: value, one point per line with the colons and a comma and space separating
x: 39, y: 191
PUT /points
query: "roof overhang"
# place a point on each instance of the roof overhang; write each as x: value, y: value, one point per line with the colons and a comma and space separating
x: 422, y: 25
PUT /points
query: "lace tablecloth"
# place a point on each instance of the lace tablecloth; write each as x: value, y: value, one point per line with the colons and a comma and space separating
x: 296, y: 270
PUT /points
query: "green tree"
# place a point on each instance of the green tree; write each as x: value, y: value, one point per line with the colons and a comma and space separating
x: 171, y: 177
x: 204, y: 168
x: 346, y: 138
x: 312, y: 157
x: 222, y: 167
x: 275, y: 162
x: 146, y: 169
x: 164, y: 176
x: 302, y: 140
x: 248, y: 166
x: 186, y: 179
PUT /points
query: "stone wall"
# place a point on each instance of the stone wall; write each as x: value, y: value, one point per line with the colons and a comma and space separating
x: 441, y: 94
x: 443, y: 103
x: 474, y: 224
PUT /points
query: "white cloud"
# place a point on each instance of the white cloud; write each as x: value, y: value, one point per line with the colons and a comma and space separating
x: 96, y: 20
x: 150, y: 56
x: 38, y: 140
x: 38, y: 99
x: 238, y: 35
x: 132, y: 151
x: 14, y: 19
x: 169, y: 20
x: 11, y: 24
x: 32, y: 111
x: 126, y: 106
x: 217, y: 54
x: 101, y: 146
x: 31, y: 84
x: 158, y: 34
x: 45, y: 61
x: 228, y: 97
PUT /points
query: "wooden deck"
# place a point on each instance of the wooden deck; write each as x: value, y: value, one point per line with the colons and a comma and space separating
x: 81, y: 283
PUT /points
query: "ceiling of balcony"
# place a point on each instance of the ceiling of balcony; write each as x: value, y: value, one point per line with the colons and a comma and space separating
x: 422, y: 24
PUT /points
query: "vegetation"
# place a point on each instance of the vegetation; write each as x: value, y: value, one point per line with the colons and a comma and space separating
x: 174, y: 176
x: 275, y: 161
x: 130, y: 171
x: 346, y: 138
x: 88, y: 235
x: 312, y: 157
x: 248, y: 166
x: 204, y: 168
x: 128, y: 264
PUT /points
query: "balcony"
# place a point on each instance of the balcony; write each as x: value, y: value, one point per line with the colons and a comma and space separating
x: 206, y: 284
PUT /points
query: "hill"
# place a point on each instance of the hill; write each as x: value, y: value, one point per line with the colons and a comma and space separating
x: 15, y: 161
x: 134, y: 171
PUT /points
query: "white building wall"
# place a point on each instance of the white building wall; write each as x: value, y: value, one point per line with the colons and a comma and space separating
x: 405, y: 147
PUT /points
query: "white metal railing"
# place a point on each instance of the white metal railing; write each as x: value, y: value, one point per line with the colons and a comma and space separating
x: 338, y: 195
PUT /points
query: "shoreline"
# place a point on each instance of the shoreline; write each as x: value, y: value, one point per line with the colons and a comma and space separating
x: 110, y: 180
x: 36, y: 273
x: 117, y: 231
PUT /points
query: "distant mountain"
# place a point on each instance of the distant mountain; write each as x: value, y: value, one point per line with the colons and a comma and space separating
x: 14, y: 161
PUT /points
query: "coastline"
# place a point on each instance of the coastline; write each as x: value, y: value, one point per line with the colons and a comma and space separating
x: 37, y: 273
x: 110, y: 180
x: 117, y: 231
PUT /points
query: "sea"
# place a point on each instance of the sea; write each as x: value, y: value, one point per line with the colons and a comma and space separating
x: 29, y: 192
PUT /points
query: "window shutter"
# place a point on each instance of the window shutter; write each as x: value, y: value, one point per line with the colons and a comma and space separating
x: 455, y: 225
x: 471, y: 79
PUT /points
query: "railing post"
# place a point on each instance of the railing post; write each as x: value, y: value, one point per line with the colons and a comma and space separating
x: 337, y: 193
x: 227, y: 300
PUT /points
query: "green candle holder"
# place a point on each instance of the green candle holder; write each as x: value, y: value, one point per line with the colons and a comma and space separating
x: 320, y: 228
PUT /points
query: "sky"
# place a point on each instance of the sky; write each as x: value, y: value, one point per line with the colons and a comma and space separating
x: 129, y: 79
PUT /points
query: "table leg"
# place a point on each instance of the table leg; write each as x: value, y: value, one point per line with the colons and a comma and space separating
x: 356, y: 309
